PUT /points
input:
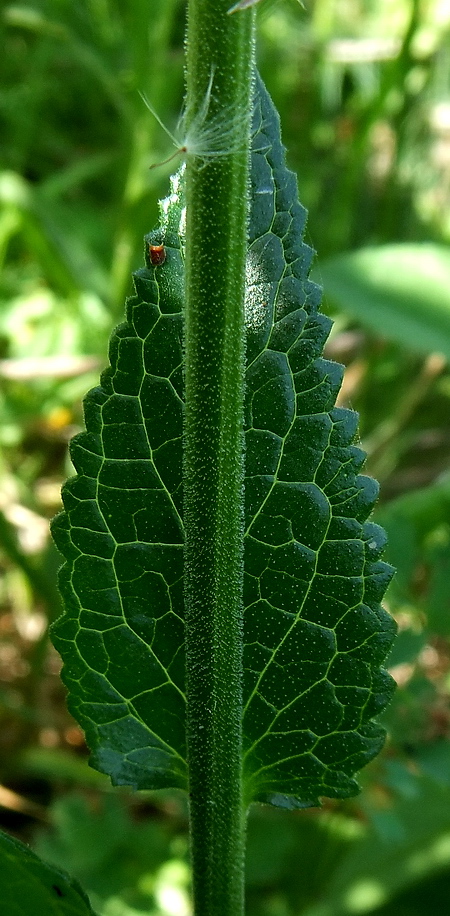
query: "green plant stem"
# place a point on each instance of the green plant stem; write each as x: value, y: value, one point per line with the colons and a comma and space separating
x: 219, y: 47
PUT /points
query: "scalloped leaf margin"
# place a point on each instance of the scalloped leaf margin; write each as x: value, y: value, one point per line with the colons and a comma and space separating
x: 315, y: 634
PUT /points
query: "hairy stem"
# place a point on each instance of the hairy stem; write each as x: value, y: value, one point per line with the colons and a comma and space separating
x: 219, y: 75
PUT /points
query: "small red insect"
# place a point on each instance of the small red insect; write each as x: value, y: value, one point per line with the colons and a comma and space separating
x: 157, y: 254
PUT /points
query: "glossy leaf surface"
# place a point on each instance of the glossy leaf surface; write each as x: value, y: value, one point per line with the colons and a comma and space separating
x: 315, y: 635
x: 31, y: 886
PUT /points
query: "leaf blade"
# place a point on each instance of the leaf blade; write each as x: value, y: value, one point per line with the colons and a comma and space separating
x: 313, y: 577
x: 310, y: 691
x: 122, y: 637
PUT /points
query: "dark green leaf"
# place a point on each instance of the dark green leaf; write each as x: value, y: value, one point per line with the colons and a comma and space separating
x: 122, y: 637
x: 315, y: 634
x: 30, y: 887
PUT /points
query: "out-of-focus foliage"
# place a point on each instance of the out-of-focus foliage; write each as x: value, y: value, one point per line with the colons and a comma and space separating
x: 363, y: 88
x: 130, y: 863
x: 402, y: 289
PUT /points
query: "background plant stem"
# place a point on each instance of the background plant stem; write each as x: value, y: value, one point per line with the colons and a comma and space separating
x: 218, y: 47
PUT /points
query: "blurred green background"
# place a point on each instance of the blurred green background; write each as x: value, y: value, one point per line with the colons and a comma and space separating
x: 363, y: 89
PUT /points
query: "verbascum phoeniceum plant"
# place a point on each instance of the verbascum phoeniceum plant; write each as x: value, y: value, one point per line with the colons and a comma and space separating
x: 223, y: 631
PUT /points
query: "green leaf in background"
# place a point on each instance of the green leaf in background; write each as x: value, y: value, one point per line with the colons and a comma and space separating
x: 127, y: 862
x: 401, y: 846
x: 30, y: 887
x: 400, y: 291
x: 314, y: 632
